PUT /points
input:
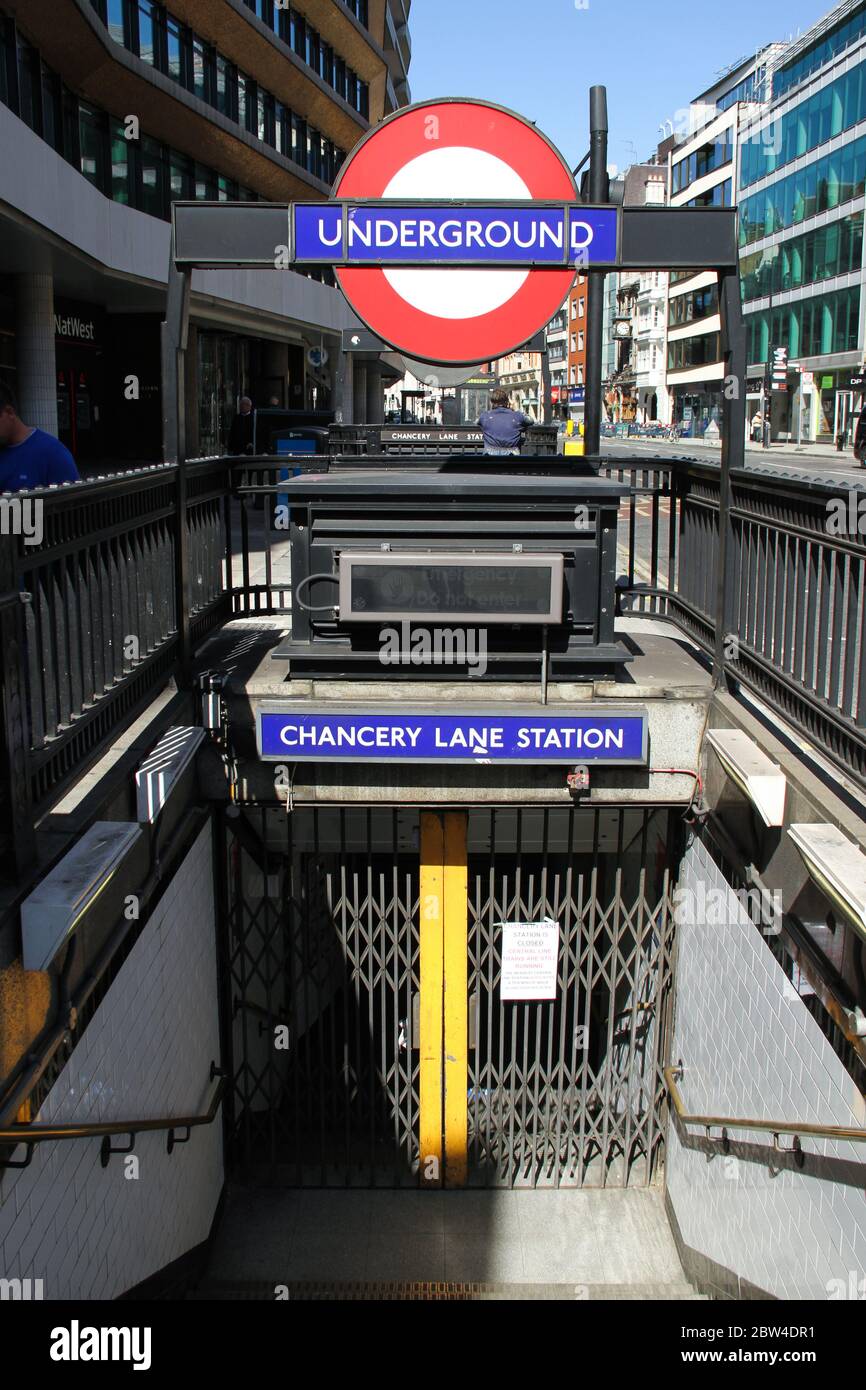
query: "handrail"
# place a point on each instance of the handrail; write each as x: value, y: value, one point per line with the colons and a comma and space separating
x: 30, y: 1135
x: 673, y: 1074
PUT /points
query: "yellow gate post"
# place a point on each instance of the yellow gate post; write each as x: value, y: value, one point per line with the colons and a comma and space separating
x: 430, y: 930
x: 456, y: 951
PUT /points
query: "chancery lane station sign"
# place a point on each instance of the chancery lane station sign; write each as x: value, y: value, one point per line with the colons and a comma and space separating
x: 529, y: 736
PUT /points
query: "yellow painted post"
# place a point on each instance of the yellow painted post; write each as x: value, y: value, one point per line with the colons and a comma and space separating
x: 431, y: 921
x: 456, y: 950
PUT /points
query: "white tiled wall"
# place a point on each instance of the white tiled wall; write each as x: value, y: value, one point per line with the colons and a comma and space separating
x: 750, y: 1048
x: 90, y: 1232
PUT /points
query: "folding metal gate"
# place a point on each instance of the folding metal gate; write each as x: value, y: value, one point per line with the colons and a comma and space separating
x: 323, y: 975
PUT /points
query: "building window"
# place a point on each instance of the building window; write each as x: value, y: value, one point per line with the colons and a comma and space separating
x: 694, y: 352
x: 581, y: 309
x: 92, y: 138
x: 52, y: 109
x: 147, y: 32
x: 824, y: 184
x: 174, y: 38
x: 819, y: 326
x: 836, y: 249
x: 121, y: 180
x: 837, y: 107
x: 152, y: 190
x: 114, y: 19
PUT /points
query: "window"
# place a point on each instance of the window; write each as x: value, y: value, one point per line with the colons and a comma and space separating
x: 121, y: 182
x: 812, y: 327
x: 179, y: 175
x: 581, y: 308
x: 226, y: 87
x: 694, y: 352
x: 152, y: 190
x: 836, y: 249
x: 114, y: 20
x: 29, y: 86
x: 147, y: 32
x: 52, y: 112
x: 580, y: 342
x: 691, y: 308
x: 818, y: 54
x: 826, y: 183
x: 202, y: 64
x: 837, y: 107
x: 92, y: 137
x: 175, y: 50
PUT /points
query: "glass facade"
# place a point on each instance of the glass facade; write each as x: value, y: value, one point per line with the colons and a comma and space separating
x: 690, y: 308
x: 752, y: 88
x: 702, y: 161
x: 825, y: 184
x: 813, y: 327
x: 144, y: 174
x: 791, y: 74
x: 719, y: 196
x: 147, y: 28
x: 700, y: 351
x: 836, y: 108
x: 820, y: 254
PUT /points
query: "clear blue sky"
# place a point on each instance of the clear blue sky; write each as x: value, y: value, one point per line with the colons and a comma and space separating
x: 540, y: 57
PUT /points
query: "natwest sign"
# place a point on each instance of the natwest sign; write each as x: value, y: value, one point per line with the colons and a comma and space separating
x: 490, y: 275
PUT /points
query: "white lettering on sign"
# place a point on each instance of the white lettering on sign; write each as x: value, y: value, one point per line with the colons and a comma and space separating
x: 73, y: 327
x: 530, y: 959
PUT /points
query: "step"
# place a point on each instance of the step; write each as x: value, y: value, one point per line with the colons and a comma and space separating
x: 422, y: 1292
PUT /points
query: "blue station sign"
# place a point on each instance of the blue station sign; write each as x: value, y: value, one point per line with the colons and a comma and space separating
x: 287, y: 734
x: 437, y: 235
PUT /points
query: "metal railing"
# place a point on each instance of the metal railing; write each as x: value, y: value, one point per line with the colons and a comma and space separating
x: 131, y: 573
x: 674, y: 1074
x: 791, y: 606
x: 117, y: 582
x: 32, y: 1134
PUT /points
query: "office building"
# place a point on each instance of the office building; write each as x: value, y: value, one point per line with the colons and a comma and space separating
x: 114, y: 109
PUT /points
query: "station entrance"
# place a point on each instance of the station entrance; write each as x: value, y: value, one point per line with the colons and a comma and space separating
x: 369, y: 1042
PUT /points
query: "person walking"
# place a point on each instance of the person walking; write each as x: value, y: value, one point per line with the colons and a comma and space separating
x: 29, y: 457
x: 860, y: 439
x: 501, y: 427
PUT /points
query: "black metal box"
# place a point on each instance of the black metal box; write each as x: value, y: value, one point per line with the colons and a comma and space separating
x: 551, y: 620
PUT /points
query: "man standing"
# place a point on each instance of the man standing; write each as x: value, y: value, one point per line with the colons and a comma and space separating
x: 860, y: 439
x: 28, y: 456
x: 501, y: 426
x: 241, y: 432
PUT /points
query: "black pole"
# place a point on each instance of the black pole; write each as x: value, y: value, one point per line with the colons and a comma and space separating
x: 733, y: 457
x: 599, y: 192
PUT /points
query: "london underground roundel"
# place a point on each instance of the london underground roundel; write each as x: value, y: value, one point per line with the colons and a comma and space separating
x: 454, y: 150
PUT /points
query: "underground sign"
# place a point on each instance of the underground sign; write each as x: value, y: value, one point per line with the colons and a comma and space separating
x: 452, y: 151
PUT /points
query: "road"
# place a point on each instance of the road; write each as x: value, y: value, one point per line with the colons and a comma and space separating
x: 828, y: 465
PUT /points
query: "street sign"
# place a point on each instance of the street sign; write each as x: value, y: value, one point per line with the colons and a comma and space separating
x: 455, y: 151
x: 778, y: 369
x: 288, y: 733
x: 577, y: 395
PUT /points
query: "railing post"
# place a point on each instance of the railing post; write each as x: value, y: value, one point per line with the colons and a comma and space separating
x: 175, y: 332
x: 733, y: 456
x: 15, y: 752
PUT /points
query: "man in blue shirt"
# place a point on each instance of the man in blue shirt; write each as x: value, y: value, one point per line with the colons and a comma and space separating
x: 28, y: 456
x: 502, y: 427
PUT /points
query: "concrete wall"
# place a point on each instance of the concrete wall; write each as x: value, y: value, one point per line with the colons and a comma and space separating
x: 751, y: 1048
x: 90, y: 1232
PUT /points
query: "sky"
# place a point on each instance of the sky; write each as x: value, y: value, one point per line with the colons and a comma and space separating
x: 540, y: 57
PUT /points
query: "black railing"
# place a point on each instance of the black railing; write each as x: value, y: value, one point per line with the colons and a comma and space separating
x: 91, y: 630
x: 792, y: 606
x: 132, y: 573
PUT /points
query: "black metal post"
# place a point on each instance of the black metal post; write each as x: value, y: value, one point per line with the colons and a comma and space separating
x: 175, y: 332
x: 17, y: 833
x: 599, y: 192
x: 733, y: 456
x: 546, y: 389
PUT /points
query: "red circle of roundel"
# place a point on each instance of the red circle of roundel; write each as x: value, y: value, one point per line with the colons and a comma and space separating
x: 367, y: 173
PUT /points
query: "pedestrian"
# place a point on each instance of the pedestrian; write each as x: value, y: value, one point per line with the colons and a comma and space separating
x: 29, y: 457
x: 501, y: 427
x: 860, y: 439
x: 241, y: 432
